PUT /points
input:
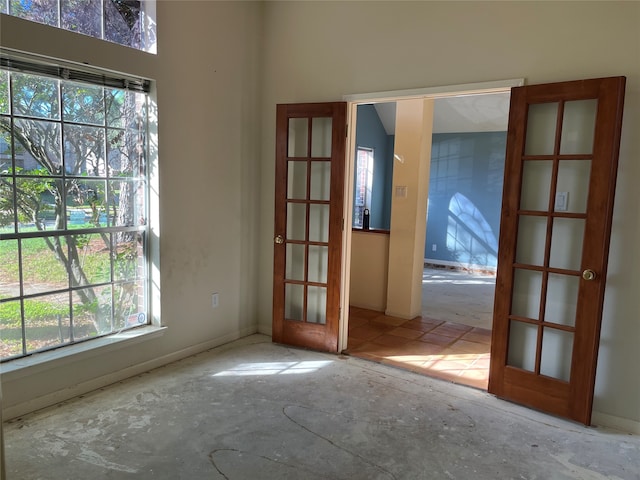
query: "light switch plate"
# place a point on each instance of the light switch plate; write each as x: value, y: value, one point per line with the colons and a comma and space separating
x: 562, y: 201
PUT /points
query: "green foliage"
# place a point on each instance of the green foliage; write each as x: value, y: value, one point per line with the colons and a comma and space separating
x: 34, y: 310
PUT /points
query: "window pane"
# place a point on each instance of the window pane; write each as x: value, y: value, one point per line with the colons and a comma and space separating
x: 82, y: 16
x: 83, y: 103
x: 47, y: 321
x: 10, y: 329
x: 38, y: 147
x: 35, y: 96
x: 37, y: 204
x: 126, y: 203
x: 91, y: 253
x: 4, y: 92
x: 41, y: 269
x: 295, y: 262
x: 5, y: 148
x: 128, y: 305
x: 122, y: 23
x: 84, y: 151
x: 125, y: 151
x: 86, y: 204
x: 9, y: 273
x: 7, y: 206
x: 92, y: 311
x: 36, y: 11
x: 128, y: 257
x: 320, y: 180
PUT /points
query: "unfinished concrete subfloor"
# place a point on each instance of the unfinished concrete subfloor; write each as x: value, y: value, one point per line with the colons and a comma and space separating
x: 255, y: 410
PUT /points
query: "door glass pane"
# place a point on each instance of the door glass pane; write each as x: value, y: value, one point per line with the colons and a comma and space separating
x: 319, y: 223
x: 541, y: 129
x: 298, y: 137
x: 573, y: 179
x: 296, y: 221
x: 295, y: 262
x: 532, y: 237
x: 536, y: 185
x: 297, y: 180
x: 318, y: 263
x: 523, y: 338
x: 562, y: 298
x: 320, y: 180
x: 566, y: 243
x: 321, y: 137
x: 557, y: 349
x: 578, y: 126
x: 527, y: 285
x: 317, y: 305
x: 294, y: 302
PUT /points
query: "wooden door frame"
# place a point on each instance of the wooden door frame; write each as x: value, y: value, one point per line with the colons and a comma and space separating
x: 353, y: 101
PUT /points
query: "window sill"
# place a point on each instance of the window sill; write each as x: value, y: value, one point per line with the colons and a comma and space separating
x: 39, y: 362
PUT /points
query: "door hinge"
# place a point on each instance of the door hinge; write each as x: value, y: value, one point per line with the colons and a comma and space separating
x: 343, y: 224
x: 346, y: 130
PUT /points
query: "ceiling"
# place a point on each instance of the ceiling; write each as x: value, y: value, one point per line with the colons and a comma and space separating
x: 465, y: 113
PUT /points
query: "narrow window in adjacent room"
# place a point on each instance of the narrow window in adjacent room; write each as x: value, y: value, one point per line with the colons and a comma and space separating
x: 73, y: 206
x: 364, y: 184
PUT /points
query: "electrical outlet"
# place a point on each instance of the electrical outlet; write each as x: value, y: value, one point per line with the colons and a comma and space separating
x: 214, y: 300
x: 434, y: 247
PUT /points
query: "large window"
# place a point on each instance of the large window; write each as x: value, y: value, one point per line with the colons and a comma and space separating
x: 126, y: 22
x: 73, y: 210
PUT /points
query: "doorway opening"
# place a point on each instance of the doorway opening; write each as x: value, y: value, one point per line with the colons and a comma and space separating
x: 450, y: 338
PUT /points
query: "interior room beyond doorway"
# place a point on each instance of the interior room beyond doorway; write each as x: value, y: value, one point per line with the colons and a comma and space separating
x: 451, y: 337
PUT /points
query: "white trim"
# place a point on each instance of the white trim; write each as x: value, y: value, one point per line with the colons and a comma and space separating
x: 435, y: 92
x: 99, y: 382
x: 617, y: 423
x: 43, y: 361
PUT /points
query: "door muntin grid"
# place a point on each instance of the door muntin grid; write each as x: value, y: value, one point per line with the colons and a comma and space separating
x: 556, y: 166
x: 307, y: 219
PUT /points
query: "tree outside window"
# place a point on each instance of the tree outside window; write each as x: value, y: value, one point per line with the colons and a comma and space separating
x: 73, y: 213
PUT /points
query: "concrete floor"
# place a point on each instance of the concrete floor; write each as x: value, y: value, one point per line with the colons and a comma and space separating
x: 458, y: 296
x: 255, y: 410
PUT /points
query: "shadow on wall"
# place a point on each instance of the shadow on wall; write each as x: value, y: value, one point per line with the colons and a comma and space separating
x: 470, y: 238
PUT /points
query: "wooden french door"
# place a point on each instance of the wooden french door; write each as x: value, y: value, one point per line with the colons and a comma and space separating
x: 309, y: 202
x: 560, y: 174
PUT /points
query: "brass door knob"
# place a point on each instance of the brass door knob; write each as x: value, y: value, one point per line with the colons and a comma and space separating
x: 589, y: 275
x: 278, y: 239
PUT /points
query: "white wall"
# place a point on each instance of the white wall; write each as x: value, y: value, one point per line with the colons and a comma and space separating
x: 206, y: 73
x: 320, y: 51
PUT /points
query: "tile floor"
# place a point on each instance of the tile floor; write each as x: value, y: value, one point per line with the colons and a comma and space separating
x: 442, y: 349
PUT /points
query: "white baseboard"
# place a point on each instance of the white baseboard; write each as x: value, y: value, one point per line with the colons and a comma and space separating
x: 626, y: 425
x: 53, y: 398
